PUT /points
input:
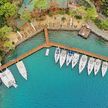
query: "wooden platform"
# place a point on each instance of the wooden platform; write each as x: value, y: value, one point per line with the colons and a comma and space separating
x: 51, y: 44
x: 22, y: 57
x: 84, y: 32
x: 79, y: 51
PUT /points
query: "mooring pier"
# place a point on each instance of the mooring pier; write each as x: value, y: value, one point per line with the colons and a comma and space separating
x: 48, y: 43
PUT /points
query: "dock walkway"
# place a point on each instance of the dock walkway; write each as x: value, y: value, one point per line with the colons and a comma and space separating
x: 84, y: 32
x: 103, y: 34
x: 22, y: 57
x: 51, y: 44
x: 79, y: 51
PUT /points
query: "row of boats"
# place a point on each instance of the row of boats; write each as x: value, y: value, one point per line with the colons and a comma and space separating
x: 8, y: 78
x: 63, y: 56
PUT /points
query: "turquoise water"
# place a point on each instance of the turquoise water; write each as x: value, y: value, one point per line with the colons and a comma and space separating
x: 48, y: 86
x: 27, y: 46
x: 71, y: 39
x: 92, y: 44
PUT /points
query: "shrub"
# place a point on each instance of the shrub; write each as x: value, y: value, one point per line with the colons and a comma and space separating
x: 78, y: 17
x: 63, y: 18
x: 102, y: 24
x: 62, y: 12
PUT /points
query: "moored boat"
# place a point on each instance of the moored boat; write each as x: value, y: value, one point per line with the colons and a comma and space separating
x: 90, y: 65
x: 82, y: 63
x: 5, y: 80
x: 22, y: 70
x: 57, y: 54
x: 97, y: 66
x: 69, y: 57
x: 75, y: 59
x: 10, y: 77
x: 62, y: 57
x: 104, y: 68
x: 47, y: 52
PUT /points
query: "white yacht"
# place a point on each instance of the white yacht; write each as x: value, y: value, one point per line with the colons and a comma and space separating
x: 104, y: 68
x: 82, y: 63
x: 75, y: 59
x: 10, y: 77
x: 69, y: 57
x: 5, y: 80
x: 57, y: 54
x: 97, y: 66
x: 90, y: 65
x: 47, y: 52
x: 62, y: 57
x: 22, y: 70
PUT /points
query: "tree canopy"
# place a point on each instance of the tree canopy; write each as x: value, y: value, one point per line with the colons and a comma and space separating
x: 105, y: 7
x: 4, y: 30
x: 8, y: 45
x: 8, y: 10
x: 91, y: 13
x: 41, y: 4
x: 26, y: 16
x: 3, y: 2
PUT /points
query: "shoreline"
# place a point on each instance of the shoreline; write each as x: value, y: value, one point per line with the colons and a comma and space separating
x: 31, y: 36
x: 55, y: 25
x: 55, y: 29
x: 101, y: 34
x: 47, y: 44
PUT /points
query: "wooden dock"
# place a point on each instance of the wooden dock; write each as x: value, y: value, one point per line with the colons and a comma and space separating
x: 51, y: 44
x: 46, y: 35
x: 84, y: 32
x: 22, y: 57
x: 79, y: 51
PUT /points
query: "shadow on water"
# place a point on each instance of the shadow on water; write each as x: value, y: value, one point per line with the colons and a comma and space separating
x: 101, y: 41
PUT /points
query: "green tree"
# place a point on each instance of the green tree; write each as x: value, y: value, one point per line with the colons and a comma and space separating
x: 8, y: 45
x: 4, y: 31
x: 105, y: 7
x: 91, y: 14
x: 26, y: 16
x: 72, y: 12
x: 3, y: 2
x: 81, y: 10
x: 41, y: 4
x: 104, y: 24
x: 8, y: 10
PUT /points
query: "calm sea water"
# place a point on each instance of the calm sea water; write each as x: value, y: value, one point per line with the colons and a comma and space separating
x: 48, y: 86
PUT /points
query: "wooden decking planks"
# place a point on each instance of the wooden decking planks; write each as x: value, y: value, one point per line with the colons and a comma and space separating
x: 46, y: 35
x: 79, y: 51
x: 22, y: 57
x: 50, y: 44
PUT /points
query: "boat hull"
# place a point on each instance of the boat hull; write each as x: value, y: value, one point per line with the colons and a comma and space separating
x: 22, y: 70
x: 82, y: 63
x: 5, y: 80
x: 57, y: 55
x: 90, y: 66
x: 62, y: 58
x: 97, y: 66
x: 75, y: 59
x: 68, y: 59
x: 104, y: 68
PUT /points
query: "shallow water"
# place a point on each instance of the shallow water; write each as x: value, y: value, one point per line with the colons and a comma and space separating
x: 92, y: 44
x: 48, y: 86
x: 71, y: 39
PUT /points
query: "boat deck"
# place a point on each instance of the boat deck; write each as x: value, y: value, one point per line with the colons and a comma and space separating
x: 51, y: 44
